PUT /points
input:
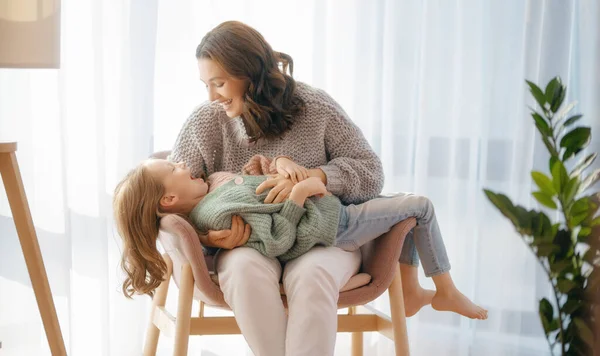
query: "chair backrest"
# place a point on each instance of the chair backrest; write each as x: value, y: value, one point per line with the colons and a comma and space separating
x: 181, y: 242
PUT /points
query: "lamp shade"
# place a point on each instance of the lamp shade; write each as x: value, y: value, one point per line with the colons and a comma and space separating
x: 29, y: 33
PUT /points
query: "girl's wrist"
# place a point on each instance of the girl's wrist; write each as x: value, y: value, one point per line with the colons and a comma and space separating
x: 298, y: 195
x: 318, y: 172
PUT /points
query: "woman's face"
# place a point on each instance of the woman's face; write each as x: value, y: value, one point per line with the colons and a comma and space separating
x: 223, y: 88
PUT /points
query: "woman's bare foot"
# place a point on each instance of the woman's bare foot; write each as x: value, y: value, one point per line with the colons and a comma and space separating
x: 415, y: 299
x: 454, y: 301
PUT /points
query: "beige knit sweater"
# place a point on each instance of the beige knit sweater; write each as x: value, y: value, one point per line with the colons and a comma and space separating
x: 322, y: 137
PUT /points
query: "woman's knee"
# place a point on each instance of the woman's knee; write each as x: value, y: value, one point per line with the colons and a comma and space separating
x: 311, y: 275
x: 320, y: 274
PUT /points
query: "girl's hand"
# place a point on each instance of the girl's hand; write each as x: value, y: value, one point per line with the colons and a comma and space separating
x: 280, y: 189
x: 312, y: 186
x: 290, y: 169
x: 228, y: 239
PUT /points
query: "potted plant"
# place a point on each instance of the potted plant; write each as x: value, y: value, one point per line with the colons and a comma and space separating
x: 567, y: 246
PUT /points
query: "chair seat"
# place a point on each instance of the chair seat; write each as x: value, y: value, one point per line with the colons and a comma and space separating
x: 357, y: 281
x: 379, y: 258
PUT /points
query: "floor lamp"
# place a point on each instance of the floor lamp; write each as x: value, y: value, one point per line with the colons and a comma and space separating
x: 30, y: 38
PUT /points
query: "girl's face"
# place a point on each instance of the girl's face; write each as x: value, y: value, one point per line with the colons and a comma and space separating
x: 223, y: 88
x: 180, y: 187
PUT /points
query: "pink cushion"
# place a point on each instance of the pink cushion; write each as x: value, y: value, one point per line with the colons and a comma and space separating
x: 356, y: 281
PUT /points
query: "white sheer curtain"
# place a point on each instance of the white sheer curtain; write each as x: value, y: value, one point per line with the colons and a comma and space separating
x: 436, y: 86
x: 78, y: 129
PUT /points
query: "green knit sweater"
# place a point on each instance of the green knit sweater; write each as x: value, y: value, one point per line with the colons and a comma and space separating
x: 283, y: 230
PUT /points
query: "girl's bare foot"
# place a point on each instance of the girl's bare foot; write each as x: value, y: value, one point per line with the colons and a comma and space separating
x: 453, y: 300
x: 415, y: 299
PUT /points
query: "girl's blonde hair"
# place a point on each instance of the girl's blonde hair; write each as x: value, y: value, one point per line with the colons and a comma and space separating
x: 136, y: 206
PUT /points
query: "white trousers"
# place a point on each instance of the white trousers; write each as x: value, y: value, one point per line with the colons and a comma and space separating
x: 250, y: 284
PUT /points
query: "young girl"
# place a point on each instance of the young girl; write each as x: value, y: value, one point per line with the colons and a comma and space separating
x: 285, y: 230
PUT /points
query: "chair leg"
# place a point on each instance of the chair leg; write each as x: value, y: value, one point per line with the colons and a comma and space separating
x: 357, y: 337
x: 184, y: 311
x: 159, y: 300
x: 357, y: 344
x: 398, y: 315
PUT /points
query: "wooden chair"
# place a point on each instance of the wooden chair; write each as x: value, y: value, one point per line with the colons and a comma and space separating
x: 191, y: 271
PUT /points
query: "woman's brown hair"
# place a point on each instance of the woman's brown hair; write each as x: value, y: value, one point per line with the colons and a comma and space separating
x: 271, y: 101
x: 136, y: 208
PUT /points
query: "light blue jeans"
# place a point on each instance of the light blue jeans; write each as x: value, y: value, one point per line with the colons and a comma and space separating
x: 364, y: 222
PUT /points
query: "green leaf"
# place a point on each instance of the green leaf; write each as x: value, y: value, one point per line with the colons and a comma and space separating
x: 570, y: 190
x: 555, y: 228
x: 553, y: 160
x: 538, y: 94
x: 575, y: 140
x: 542, y: 124
x: 553, y: 93
x: 596, y: 221
x: 543, y: 182
x: 579, y: 218
x: 564, y: 243
x: 546, y: 249
x: 573, y: 119
x: 552, y: 86
x: 524, y: 218
x: 585, y: 231
x: 549, y: 146
x: 541, y: 227
x: 559, y: 97
x: 503, y: 203
x: 571, y: 306
x: 554, y: 325
x: 547, y: 230
x: 545, y: 200
x: 581, y: 205
x: 585, y: 333
x: 565, y: 285
x: 583, y: 164
x: 546, y: 312
x: 589, y: 181
x: 559, y: 176
x: 579, y: 211
x: 559, y: 267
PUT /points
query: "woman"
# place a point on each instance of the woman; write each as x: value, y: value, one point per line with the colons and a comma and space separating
x: 257, y: 108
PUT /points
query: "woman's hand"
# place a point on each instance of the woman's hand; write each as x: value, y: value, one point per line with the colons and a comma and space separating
x: 280, y: 186
x: 290, y: 169
x: 228, y: 239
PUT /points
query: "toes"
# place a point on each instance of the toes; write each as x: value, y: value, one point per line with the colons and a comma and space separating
x: 482, y: 314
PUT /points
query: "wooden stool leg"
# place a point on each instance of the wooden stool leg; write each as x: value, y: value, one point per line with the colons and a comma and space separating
x: 184, y: 311
x: 398, y: 314
x: 11, y: 176
x: 159, y: 300
x: 357, y: 337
